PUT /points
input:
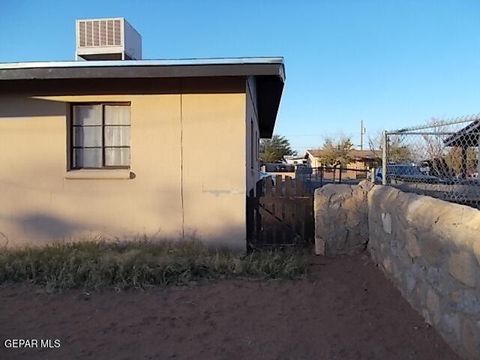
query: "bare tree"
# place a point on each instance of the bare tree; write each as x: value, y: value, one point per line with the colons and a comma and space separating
x: 398, y: 150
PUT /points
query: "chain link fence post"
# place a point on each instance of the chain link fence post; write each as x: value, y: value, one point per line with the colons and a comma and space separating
x: 384, y: 157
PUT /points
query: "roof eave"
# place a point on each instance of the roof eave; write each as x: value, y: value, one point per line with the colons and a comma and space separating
x: 269, y: 94
x: 269, y: 74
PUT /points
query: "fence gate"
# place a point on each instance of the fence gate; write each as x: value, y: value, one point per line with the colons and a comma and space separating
x: 281, y: 214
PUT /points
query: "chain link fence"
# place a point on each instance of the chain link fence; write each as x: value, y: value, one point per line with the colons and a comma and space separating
x: 439, y: 159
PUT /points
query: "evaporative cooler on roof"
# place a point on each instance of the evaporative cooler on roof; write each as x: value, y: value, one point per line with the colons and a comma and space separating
x: 107, y: 39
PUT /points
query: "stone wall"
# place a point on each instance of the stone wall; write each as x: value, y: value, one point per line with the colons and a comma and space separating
x: 344, y: 205
x: 429, y: 248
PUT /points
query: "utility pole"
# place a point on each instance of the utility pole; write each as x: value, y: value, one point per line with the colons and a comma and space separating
x: 362, y: 132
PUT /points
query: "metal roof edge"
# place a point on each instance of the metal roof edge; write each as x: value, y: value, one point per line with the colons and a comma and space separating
x: 132, y: 63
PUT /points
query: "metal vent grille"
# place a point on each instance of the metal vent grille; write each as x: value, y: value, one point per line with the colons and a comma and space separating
x: 96, y: 33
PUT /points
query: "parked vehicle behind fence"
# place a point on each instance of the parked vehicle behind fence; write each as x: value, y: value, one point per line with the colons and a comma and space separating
x: 406, y: 173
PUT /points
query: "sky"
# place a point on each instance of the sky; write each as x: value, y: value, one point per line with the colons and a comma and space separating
x: 390, y: 63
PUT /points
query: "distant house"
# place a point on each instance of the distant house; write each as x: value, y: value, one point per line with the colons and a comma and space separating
x: 281, y: 169
x: 312, y: 158
x: 365, y: 159
x: 295, y: 159
x: 83, y: 144
x: 361, y: 159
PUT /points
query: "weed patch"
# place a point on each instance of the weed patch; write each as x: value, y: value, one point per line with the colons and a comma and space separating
x: 139, y: 264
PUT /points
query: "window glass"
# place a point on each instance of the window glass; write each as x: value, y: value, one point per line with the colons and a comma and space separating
x: 117, y: 115
x: 100, y: 136
x: 117, y: 156
x: 87, y: 136
x: 117, y: 135
x: 87, y: 158
x: 87, y: 115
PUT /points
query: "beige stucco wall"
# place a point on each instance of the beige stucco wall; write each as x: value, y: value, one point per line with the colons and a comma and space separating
x: 173, y: 191
x: 313, y: 161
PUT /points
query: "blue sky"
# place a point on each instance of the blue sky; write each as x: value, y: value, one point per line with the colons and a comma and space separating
x: 390, y: 63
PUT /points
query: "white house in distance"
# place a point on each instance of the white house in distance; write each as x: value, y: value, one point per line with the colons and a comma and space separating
x: 295, y: 159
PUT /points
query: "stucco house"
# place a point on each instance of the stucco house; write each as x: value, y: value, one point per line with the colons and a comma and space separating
x: 83, y: 144
x: 360, y: 159
x: 295, y: 160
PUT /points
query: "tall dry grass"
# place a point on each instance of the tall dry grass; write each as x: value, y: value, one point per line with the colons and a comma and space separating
x: 140, y: 264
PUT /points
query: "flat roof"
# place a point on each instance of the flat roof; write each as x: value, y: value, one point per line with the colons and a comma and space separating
x: 151, y: 62
x: 253, y: 66
x: 268, y: 71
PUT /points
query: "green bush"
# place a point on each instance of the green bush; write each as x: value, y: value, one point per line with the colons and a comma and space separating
x: 139, y: 264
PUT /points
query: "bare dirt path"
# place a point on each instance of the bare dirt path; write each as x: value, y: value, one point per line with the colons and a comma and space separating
x: 346, y: 309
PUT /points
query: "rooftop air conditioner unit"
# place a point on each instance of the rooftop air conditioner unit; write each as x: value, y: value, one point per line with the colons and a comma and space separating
x: 107, y: 39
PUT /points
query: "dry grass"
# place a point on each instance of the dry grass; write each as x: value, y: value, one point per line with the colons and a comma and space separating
x: 139, y: 264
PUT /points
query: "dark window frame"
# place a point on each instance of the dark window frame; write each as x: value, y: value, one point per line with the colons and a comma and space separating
x: 102, y: 147
x: 252, y: 144
x: 257, y: 145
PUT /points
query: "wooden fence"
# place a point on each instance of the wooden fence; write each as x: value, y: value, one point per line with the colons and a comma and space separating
x: 281, y: 214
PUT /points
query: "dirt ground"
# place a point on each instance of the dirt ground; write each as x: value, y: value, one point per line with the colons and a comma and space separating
x: 346, y: 309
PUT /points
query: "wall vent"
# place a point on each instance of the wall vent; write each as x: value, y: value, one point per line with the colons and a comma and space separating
x: 107, y: 39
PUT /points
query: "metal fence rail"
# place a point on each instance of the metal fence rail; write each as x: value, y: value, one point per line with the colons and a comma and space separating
x: 322, y: 175
x: 439, y: 159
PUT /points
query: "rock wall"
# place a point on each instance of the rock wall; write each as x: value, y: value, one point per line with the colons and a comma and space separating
x: 344, y: 205
x: 431, y: 250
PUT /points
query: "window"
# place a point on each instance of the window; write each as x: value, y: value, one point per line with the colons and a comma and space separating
x: 257, y: 144
x: 252, y: 144
x: 100, y: 136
